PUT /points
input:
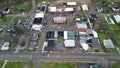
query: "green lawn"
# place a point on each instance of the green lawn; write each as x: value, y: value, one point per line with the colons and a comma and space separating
x: 40, y: 1
x: 113, y: 26
x: 19, y: 64
x: 69, y: 50
x: 7, y: 19
x: 116, y: 37
x: 24, y: 6
x: 1, y: 63
x: 60, y: 40
x: 57, y: 65
x: 114, y: 65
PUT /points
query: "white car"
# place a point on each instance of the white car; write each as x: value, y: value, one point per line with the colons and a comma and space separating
x: 6, y: 11
x: 5, y: 46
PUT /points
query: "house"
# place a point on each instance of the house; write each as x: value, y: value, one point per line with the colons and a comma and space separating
x: 85, y: 46
x: 69, y: 9
x: 50, y: 35
x: 32, y: 46
x: 82, y: 31
x: 85, y: 7
x: 69, y: 43
x: 71, y: 4
x: 49, y: 46
x: 36, y: 27
x: 117, y: 18
x: 60, y: 34
x: 70, y: 35
x: 95, y: 34
x: 81, y: 25
x: 65, y: 35
x: 52, y: 9
x: 89, y: 32
x: 56, y: 34
x: 108, y: 44
x: 116, y: 7
x: 59, y: 20
x: 83, y: 39
x: 5, y: 46
x: 109, y: 20
x: 39, y: 15
x: 37, y: 22
x: 6, y: 10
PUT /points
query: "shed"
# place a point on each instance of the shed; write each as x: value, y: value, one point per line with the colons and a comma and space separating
x: 85, y: 46
x: 69, y: 43
x: 59, y: 19
x: 108, y: 43
x: 117, y: 18
x: 85, y: 7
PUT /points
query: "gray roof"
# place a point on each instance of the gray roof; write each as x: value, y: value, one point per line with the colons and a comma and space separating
x: 89, y: 31
x: 83, y: 39
x: 108, y: 43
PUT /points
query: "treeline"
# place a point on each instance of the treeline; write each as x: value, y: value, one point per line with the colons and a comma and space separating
x: 11, y: 2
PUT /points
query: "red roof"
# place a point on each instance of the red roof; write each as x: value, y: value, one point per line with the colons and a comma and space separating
x: 82, y: 30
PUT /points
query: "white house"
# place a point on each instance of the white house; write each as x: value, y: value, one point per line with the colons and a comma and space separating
x: 69, y: 43
x: 117, y: 18
x: 71, y: 4
x: 36, y: 27
x: 52, y: 9
x: 85, y: 46
x: 85, y: 7
x: 39, y: 15
x: 5, y: 46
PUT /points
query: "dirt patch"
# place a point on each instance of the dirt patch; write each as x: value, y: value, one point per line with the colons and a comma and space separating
x: 25, y: 66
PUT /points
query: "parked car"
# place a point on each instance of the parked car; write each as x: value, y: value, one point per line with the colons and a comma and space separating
x: 6, y: 11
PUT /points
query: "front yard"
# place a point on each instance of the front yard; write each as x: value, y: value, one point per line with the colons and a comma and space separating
x: 19, y: 64
x: 57, y: 65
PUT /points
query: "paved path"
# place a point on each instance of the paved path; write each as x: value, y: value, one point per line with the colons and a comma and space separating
x: 3, y: 66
